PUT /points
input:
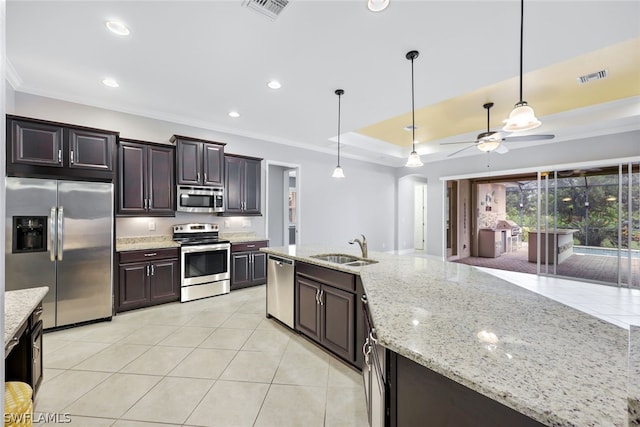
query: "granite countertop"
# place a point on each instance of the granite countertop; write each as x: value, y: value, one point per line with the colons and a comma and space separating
x: 551, y: 362
x: 18, y: 306
x: 145, y: 242
x: 166, y: 241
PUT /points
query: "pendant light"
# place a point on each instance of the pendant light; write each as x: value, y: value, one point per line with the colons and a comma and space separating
x: 377, y: 5
x: 522, y: 117
x: 338, y: 172
x: 414, y: 159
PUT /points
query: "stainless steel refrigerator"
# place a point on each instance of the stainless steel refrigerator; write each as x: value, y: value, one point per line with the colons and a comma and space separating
x: 60, y: 234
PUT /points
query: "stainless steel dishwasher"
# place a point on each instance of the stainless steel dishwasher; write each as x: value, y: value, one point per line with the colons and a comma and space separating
x: 280, y: 279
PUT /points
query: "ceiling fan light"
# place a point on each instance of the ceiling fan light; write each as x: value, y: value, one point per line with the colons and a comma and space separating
x: 338, y: 172
x: 377, y: 5
x: 414, y: 160
x: 487, y: 145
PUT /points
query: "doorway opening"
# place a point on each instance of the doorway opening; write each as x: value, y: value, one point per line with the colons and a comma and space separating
x: 420, y: 217
x: 283, y: 204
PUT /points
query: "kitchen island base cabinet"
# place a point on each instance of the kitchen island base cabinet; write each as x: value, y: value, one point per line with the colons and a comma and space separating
x: 23, y: 353
x: 147, y: 278
x: 325, y: 310
x: 420, y: 396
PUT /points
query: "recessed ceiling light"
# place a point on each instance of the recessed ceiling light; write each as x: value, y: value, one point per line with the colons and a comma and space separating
x: 234, y: 114
x: 110, y: 83
x: 118, y: 28
x: 274, y: 84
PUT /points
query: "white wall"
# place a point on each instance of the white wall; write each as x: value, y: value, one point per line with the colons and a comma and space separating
x: 3, y: 99
x: 276, y: 205
x: 332, y: 211
x: 601, y: 148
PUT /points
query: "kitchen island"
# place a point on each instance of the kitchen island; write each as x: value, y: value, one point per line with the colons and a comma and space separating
x: 552, y: 363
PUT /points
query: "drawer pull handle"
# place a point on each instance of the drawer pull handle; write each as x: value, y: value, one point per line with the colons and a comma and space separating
x: 11, y: 344
x: 151, y: 254
x: 251, y: 246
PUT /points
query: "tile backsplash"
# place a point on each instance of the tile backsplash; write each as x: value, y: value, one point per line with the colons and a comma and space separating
x: 158, y: 226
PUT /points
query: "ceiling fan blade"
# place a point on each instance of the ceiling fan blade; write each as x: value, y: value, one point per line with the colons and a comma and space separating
x: 460, y: 150
x: 502, y: 149
x: 459, y: 142
x: 529, y: 137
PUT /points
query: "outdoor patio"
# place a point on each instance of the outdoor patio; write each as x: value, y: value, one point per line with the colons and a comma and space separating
x: 600, y: 268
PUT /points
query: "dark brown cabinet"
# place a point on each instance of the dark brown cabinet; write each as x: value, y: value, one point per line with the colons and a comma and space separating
x: 248, y: 264
x: 242, y: 185
x: 200, y: 162
x: 47, y: 149
x: 145, y: 179
x: 23, y: 352
x: 147, y: 278
x: 325, y: 309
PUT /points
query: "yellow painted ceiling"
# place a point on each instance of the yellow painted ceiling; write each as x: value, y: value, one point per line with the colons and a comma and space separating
x: 550, y: 90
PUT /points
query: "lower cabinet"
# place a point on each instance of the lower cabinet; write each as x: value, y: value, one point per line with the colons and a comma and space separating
x: 248, y: 264
x: 147, y: 278
x: 374, y: 374
x: 23, y: 352
x: 326, y: 310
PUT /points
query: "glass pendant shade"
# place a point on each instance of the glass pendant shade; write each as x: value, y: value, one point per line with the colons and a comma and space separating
x: 521, y: 118
x: 338, y: 172
x: 487, y: 145
x: 414, y: 160
x: 377, y: 5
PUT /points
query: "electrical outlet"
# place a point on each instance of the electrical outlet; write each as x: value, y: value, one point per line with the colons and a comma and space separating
x: 152, y: 226
x: 227, y: 223
x: 246, y: 224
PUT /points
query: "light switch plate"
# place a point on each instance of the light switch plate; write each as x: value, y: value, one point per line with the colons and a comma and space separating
x: 152, y: 226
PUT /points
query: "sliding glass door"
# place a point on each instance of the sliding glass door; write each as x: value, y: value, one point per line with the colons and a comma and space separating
x: 589, y: 224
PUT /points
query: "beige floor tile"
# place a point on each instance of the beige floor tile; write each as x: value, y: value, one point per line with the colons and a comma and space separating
x: 204, y: 363
x: 302, y: 368
x: 112, y: 358
x: 128, y: 423
x: 149, y: 334
x: 48, y: 374
x: 210, y: 319
x: 114, y: 396
x: 69, y: 356
x: 229, y: 339
x: 243, y: 321
x: 252, y: 366
x: 295, y: 406
x: 107, y: 332
x: 187, y: 336
x: 157, y: 360
x: 61, y: 391
x: 171, y: 401
x: 341, y: 375
x: 268, y: 340
x: 223, y: 304
x: 51, y: 343
x: 229, y: 404
x: 71, y: 420
x: 346, y: 407
x: 254, y: 307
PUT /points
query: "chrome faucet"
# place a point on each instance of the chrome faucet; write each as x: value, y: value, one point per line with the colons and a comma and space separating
x: 363, y: 245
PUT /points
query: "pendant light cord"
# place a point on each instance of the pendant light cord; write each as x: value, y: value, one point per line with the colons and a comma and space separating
x: 413, y: 112
x: 521, y: 43
x: 339, y: 97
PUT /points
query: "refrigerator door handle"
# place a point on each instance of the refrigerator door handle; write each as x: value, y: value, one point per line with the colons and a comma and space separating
x: 52, y: 240
x: 60, y: 232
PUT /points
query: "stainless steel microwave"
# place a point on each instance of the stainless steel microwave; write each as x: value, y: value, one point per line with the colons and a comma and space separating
x: 200, y: 199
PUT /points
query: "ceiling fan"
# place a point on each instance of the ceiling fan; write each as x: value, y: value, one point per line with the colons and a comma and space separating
x: 492, y: 140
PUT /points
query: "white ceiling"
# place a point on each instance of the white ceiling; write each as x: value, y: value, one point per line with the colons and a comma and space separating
x: 193, y: 61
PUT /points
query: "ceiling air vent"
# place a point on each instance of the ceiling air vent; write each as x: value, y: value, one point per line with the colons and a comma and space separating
x: 269, y: 8
x: 593, y: 76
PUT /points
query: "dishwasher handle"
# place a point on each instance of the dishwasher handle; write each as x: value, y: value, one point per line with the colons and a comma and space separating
x: 281, y: 261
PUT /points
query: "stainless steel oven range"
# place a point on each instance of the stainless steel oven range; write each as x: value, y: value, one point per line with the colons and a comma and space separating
x: 204, y: 261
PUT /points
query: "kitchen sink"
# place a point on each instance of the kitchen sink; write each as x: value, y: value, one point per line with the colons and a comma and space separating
x: 344, y: 259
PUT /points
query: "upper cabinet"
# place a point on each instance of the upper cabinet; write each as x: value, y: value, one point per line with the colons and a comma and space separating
x: 41, y: 148
x: 145, y: 179
x: 242, y: 185
x: 200, y: 162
